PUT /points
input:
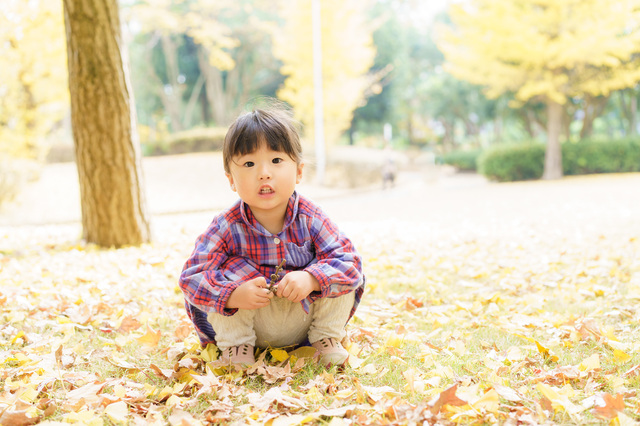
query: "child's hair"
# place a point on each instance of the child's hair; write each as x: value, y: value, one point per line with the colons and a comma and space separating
x: 274, y: 126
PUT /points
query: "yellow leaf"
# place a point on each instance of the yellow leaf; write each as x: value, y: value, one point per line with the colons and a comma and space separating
x: 620, y: 356
x: 490, y: 401
x: 394, y: 341
x: 150, y: 338
x: 460, y: 348
x: 558, y: 400
x: 173, y: 401
x: 17, y: 336
x: 119, y: 391
x: 29, y: 394
x: 84, y: 417
x: 303, y: 352
x: 279, y: 354
x: 591, y: 363
x: 117, y: 412
x: 166, y: 391
x: 292, y: 420
x: 210, y: 353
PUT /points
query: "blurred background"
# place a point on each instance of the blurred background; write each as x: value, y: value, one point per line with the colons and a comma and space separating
x: 493, y: 87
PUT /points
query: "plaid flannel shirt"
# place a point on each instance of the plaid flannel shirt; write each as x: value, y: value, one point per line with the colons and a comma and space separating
x: 236, y: 248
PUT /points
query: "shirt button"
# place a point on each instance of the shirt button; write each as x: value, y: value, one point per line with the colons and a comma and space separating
x: 276, y: 240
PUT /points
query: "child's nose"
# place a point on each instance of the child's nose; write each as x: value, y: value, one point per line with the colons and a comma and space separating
x: 265, y: 171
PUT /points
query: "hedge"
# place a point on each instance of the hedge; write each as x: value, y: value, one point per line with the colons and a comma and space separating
x: 193, y: 140
x: 462, y: 160
x: 507, y: 163
x: 526, y: 161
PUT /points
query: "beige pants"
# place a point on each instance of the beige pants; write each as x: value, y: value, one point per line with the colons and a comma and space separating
x: 283, y: 323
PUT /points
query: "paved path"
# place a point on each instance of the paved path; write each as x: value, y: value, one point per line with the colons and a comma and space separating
x: 430, y: 206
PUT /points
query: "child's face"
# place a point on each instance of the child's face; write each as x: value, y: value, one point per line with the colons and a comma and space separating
x: 264, y: 179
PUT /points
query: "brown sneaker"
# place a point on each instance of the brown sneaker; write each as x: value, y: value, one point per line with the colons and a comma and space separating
x: 242, y: 355
x: 330, y: 352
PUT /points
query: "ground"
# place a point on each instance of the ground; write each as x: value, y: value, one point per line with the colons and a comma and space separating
x: 485, y: 302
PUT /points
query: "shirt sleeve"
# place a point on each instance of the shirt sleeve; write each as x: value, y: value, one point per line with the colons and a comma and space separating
x: 211, y: 274
x: 339, y: 266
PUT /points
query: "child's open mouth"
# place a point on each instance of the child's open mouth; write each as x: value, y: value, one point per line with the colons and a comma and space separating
x: 266, y: 191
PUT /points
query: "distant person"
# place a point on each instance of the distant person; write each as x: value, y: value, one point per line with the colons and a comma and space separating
x: 226, y: 280
x: 388, y: 168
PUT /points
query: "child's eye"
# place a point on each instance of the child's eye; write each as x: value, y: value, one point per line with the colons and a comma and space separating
x: 249, y: 164
x: 277, y: 160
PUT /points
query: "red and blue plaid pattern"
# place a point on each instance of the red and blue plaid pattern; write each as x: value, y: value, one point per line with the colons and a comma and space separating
x: 235, y: 248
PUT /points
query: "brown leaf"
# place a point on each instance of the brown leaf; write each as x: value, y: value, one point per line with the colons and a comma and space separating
x: 129, y: 324
x: 446, y: 397
x: 633, y: 371
x: 64, y: 361
x: 17, y: 418
x: 182, y: 331
x: 612, y: 406
x: 411, y: 304
x: 164, y: 373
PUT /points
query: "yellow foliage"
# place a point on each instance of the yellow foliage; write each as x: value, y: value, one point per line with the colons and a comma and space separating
x: 347, y: 56
x: 197, y: 19
x: 33, y: 75
x: 544, y: 49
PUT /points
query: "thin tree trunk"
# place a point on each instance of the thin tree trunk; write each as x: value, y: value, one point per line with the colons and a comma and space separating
x: 553, y: 154
x: 213, y: 88
x: 103, y: 117
x: 592, y: 110
x: 633, y: 114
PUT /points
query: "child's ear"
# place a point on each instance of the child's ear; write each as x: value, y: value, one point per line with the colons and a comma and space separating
x: 299, y: 174
x: 230, y: 177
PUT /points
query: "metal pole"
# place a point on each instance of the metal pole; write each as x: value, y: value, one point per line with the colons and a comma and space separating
x: 317, y: 92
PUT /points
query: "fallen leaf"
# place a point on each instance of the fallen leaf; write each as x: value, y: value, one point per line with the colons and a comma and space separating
x: 620, y: 356
x: 610, y: 406
x: 117, y: 412
x: 17, y: 418
x: 446, y: 397
x: 150, y: 338
x: 129, y: 324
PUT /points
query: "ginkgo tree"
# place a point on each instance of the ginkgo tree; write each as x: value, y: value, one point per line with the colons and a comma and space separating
x: 33, y: 77
x: 544, y: 50
x: 347, y: 55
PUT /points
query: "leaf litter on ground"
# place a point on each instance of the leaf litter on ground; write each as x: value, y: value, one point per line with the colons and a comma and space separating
x: 523, y: 324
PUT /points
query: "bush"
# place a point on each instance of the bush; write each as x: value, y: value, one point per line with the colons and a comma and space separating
x: 522, y: 162
x: 193, y: 140
x: 508, y: 163
x: 599, y: 156
x: 462, y: 160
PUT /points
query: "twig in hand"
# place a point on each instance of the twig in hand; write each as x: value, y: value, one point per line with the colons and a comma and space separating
x: 272, y: 286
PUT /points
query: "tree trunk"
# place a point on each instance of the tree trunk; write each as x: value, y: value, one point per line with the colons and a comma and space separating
x: 103, y: 120
x: 633, y: 114
x: 553, y: 154
x: 214, y: 88
x: 593, y: 108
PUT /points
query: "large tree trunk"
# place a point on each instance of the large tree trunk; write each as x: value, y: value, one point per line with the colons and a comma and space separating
x: 102, y: 114
x: 553, y: 154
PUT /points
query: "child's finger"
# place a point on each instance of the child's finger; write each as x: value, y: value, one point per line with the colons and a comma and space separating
x: 260, y: 282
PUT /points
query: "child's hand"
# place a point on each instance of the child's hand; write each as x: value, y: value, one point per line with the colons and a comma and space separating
x: 297, y: 285
x: 252, y: 294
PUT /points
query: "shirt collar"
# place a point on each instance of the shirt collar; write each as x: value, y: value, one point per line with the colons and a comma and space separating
x: 249, y: 219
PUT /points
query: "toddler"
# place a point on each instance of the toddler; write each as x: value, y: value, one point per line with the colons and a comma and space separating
x: 226, y: 280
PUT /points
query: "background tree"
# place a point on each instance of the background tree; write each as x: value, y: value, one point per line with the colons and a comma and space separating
x: 103, y: 121
x: 347, y: 54
x: 200, y: 62
x: 546, y: 51
x: 33, y: 80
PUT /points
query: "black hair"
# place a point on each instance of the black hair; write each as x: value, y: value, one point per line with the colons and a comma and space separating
x: 273, y: 126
